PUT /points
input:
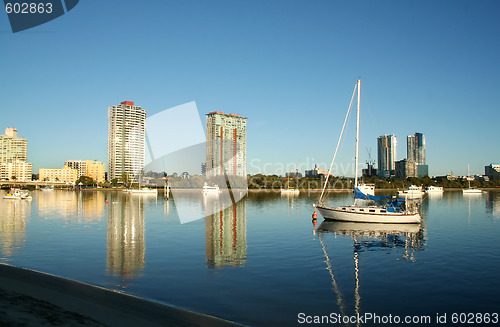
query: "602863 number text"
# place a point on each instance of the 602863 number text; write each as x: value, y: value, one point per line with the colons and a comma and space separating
x: 28, y: 8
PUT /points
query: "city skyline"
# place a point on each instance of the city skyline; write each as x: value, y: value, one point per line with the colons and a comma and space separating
x: 426, y: 67
x: 225, y: 128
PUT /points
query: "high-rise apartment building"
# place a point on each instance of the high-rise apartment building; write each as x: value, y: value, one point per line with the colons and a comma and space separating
x: 126, y: 140
x: 226, y: 144
x: 416, y: 148
x: 13, y: 157
x: 13, y: 147
x: 386, y: 150
x: 89, y: 168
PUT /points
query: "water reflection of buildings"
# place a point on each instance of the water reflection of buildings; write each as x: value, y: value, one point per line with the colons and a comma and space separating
x: 226, y: 241
x: 72, y: 205
x: 13, y: 215
x: 492, y: 204
x: 126, y: 245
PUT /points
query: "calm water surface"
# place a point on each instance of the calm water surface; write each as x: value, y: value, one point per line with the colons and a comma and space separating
x: 262, y: 262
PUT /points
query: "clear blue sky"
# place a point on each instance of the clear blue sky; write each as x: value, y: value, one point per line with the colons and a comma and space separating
x: 289, y: 66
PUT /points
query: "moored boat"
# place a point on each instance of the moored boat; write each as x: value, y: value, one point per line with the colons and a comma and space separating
x: 411, y: 192
x: 144, y: 190
x: 289, y: 191
x: 470, y: 189
x: 433, y: 189
x: 396, y: 211
x: 210, y: 190
x: 17, y: 194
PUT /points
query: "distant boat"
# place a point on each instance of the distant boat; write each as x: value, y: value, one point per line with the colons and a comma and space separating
x: 470, y: 190
x: 291, y: 190
x: 144, y: 190
x: 210, y: 190
x: 17, y: 194
x: 13, y: 194
x: 26, y: 196
x: 412, y: 191
x: 394, y: 211
x: 47, y: 188
x: 433, y: 189
x: 141, y: 190
x: 368, y: 189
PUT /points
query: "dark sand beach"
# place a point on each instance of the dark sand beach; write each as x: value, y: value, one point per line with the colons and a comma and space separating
x: 31, y: 298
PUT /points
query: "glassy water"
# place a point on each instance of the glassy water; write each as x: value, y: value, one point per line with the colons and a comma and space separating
x: 262, y: 262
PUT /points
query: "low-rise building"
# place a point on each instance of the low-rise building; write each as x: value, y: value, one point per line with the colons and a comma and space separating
x: 369, y: 171
x: 406, y: 168
x: 316, y: 172
x: 89, y: 168
x: 64, y: 175
x: 16, y: 170
x: 492, y: 171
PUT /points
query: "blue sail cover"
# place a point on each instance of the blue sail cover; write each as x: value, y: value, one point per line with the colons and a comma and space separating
x: 360, y: 195
x: 394, y: 206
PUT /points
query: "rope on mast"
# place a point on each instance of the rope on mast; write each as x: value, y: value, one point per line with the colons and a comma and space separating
x: 338, y: 143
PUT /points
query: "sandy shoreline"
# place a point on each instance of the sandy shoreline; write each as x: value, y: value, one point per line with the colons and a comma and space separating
x: 31, y: 298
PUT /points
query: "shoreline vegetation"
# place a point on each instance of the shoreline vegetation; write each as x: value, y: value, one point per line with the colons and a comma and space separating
x: 268, y: 183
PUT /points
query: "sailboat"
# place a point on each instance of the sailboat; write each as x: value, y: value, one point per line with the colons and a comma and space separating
x: 141, y: 190
x: 395, y: 211
x: 470, y: 190
x: 291, y: 190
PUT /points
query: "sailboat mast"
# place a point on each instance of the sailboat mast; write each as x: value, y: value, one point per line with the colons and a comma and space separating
x: 356, y: 158
x: 468, y: 173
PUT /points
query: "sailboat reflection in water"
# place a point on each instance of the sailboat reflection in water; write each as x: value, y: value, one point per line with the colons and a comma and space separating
x: 409, y: 237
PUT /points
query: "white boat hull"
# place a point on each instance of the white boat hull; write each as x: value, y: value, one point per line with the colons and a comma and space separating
x: 367, y: 215
x: 434, y: 190
x: 145, y: 192
x: 290, y: 191
x: 11, y: 197
x: 211, y: 190
x: 410, y: 194
x: 472, y: 191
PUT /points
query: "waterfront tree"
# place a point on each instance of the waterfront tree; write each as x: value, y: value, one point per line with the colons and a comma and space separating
x: 85, y: 180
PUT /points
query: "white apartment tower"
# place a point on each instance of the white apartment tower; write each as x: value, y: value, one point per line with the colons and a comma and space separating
x: 13, y: 147
x: 226, y: 144
x: 13, y: 157
x: 126, y: 140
